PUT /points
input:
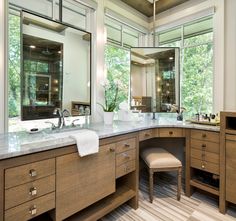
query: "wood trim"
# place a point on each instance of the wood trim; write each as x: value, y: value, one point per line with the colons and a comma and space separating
x: 188, y: 172
x: 222, y: 200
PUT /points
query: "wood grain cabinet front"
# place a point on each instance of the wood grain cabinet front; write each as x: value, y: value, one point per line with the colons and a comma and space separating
x: 20, y: 194
x: 205, y: 151
x: 31, y: 209
x: 170, y: 132
x: 230, y: 168
x: 125, y: 145
x: 29, y: 172
x: 82, y: 181
x: 145, y: 134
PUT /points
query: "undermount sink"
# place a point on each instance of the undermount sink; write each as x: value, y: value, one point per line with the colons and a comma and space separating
x: 50, y: 139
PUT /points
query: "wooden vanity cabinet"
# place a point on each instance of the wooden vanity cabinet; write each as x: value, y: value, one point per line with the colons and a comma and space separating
x: 203, y: 161
x: 82, y: 181
x: 29, y: 190
x: 230, y: 168
x: 228, y: 159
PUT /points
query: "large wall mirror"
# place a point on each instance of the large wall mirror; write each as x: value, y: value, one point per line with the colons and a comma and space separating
x: 155, y: 79
x: 56, y: 68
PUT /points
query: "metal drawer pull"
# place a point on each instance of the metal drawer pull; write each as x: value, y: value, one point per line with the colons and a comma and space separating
x: 126, y: 156
x: 204, y: 135
x: 127, y: 169
x: 203, y: 165
x: 33, y: 210
x: 146, y: 135
x: 127, y: 145
x: 33, y: 173
x: 112, y: 149
x: 33, y: 191
x: 170, y: 132
x: 203, y: 145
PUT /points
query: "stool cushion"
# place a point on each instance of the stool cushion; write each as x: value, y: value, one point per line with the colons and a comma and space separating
x: 156, y: 158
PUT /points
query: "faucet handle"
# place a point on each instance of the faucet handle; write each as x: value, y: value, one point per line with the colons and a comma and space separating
x: 53, y: 126
x: 73, y: 122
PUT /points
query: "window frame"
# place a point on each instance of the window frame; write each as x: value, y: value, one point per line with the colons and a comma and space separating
x: 183, y: 46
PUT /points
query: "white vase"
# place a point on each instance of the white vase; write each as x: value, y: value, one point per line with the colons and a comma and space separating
x: 108, y: 117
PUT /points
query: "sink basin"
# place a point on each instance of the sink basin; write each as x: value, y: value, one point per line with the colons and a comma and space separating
x: 54, y: 138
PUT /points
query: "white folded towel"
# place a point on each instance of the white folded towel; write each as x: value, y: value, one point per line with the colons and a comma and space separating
x: 87, y: 142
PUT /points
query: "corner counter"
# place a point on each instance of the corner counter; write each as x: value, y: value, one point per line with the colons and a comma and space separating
x: 22, y: 143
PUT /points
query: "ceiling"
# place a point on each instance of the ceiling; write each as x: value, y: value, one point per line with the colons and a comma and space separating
x: 146, y: 7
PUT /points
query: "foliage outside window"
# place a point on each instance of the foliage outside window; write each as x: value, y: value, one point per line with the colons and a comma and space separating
x: 196, y: 43
x: 118, y: 69
x: 117, y: 56
x: 14, y: 67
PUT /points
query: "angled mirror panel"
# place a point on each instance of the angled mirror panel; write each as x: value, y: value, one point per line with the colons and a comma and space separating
x: 154, y: 79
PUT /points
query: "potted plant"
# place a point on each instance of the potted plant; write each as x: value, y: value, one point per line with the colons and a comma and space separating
x: 111, y: 89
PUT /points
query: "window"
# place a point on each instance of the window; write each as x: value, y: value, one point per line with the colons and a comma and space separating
x: 120, y: 39
x: 14, y: 56
x: 196, y: 42
x: 118, y: 69
x: 121, y: 35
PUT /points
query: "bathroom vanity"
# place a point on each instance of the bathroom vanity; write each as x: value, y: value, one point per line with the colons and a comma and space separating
x: 47, y: 175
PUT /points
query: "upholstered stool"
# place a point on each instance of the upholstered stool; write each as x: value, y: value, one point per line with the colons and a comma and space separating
x: 157, y: 160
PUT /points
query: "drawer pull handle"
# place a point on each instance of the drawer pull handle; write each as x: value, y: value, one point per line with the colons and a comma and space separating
x: 127, y: 145
x: 204, y: 135
x: 126, y: 156
x: 112, y: 149
x: 203, y: 145
x: 127, y: 169
x: 33, y: 173
x: 146, y: 135
x: 170, y: 132
x: 203, y: 165
x: 33, y: 191
x: 33, y: 210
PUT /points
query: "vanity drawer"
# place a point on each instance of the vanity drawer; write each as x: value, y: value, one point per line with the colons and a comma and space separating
x: 125, y: 168
x: 207, y: 166
x: 125, y: 145
x: 26, y: 192
x: 29, y: 172
x: 145, y: 134
x: 170, y: 132
x: 205, y: 145
x: 31, y: 209
x: 205, y: 135
x: 205, y: 156
x: 125, y: 157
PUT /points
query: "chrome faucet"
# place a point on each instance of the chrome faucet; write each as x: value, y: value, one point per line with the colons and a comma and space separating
x: 61, y: 116
x: 65, y: 113
x: 58, y: 113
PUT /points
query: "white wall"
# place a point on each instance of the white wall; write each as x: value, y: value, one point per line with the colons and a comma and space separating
x: 75, y: 81
x: 2, y: 63
x: 230, y: 56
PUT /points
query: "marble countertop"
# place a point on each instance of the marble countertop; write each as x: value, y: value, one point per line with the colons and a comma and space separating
x: 21, y: 143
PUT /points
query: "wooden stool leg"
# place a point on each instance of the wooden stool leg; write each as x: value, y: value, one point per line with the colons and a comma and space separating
x: 151, y: 185
x: 179, y: 183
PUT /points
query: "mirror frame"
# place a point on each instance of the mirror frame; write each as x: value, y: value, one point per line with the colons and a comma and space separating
x: 178, y: 75
x: 21, y: 59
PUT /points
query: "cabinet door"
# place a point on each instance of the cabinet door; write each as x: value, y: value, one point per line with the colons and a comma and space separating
x: 81, y: 181
x: 230, y: 170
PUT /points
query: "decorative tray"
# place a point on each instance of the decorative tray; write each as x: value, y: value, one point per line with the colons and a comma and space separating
x: 205, y: 122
